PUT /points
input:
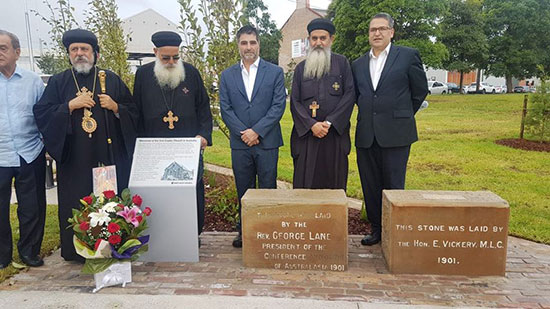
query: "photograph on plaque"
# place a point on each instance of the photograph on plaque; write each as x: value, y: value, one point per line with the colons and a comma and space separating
x: 104, y: 179
x: 176, y: 171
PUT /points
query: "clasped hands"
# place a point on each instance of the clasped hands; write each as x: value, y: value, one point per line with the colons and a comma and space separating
x: 85, y: 101
x: 250, y: 138
x: 320, y: 129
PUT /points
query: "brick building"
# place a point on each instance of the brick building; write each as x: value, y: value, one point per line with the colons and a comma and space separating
x: 294, y: 43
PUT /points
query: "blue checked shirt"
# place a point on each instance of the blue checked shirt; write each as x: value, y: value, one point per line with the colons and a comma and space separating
x: 19, y: 135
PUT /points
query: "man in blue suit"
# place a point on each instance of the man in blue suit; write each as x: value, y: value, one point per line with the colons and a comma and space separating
x: 390, y: 84
x: 252, y: 101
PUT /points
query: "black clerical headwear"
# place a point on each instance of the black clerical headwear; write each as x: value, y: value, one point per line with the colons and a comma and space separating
x: 80, y: 36
x: 166, y: 38
x: 321, y: 24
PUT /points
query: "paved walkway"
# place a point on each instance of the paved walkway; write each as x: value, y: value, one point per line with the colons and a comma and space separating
x: 219, y: 277
x: 220, y: 272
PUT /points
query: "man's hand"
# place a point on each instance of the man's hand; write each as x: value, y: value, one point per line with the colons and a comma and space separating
x: 80, y: 102
x: 249, y: 137
x: 320, y: 129
x: 204, y: 142
x: 106, y: 102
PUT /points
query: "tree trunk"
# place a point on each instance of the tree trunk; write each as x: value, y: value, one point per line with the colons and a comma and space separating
x: 478, y: 80
x: 461, y: 90
x: 509, y: 87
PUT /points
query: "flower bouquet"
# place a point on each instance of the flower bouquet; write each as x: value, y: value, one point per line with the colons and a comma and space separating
x: 108, y: 231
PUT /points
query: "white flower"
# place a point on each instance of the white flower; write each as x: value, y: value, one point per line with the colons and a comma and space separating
x: 100, y: 217
x: 110, y: 207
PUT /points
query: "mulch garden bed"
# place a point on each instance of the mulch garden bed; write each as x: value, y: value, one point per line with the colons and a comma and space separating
x: 525, y: 144
x: 215, y: 222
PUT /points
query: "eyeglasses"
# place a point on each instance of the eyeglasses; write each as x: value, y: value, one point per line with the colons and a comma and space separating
x: 167, y: 58
x: 381, y: 29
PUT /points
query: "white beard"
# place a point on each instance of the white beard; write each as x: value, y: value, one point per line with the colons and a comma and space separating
x: 317, y: 63
x: 169, y: 76
x: 83, y: 67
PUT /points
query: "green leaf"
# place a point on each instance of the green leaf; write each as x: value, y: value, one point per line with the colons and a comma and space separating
x: 94, y: 266
x: 126, y: 195
x: 20, y: 266
x: 128, y: 244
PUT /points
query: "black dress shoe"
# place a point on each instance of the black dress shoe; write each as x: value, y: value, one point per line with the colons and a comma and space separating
x: 33, y: 261
x: 4, y: 265
x: 238, y: 241
x: 371, y: 239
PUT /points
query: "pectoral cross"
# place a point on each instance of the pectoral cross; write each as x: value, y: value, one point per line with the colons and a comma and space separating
x: 85, y: 91
x: 170, y: 119
x: 336, y: 86
x: 314, y: 107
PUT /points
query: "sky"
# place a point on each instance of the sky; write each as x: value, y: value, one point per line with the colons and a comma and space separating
x: 12, y: 13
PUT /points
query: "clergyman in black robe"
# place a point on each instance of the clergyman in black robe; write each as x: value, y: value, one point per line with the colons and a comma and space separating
x: 59, y: 116
x: 321, y: 103
x: 170, y: 85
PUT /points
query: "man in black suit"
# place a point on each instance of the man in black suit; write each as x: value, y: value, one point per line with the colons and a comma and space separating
x: 391, y: 84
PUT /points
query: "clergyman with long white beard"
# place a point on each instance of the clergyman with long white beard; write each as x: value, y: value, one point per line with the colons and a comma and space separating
x: 173, y: 101
x: 321, y: 103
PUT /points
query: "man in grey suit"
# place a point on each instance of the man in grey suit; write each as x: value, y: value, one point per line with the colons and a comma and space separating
x: 252, y: 101
x: 391, y: 84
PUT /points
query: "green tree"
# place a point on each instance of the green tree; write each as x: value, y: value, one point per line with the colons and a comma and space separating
x: 61, y: 19
x: 537, y: 121
x: 102, y: 19
x: 270, y: 36
x: 416, y: 23
x: 216, y: 49
x: 462, y: 32
x: 514, y: 38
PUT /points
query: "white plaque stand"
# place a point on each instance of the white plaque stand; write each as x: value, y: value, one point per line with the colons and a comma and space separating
x: 164, y: 172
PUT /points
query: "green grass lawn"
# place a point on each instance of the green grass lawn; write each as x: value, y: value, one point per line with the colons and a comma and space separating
x: 456, y: 151
x: 49, y: 244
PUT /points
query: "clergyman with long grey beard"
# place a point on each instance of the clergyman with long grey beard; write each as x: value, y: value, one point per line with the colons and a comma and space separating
x: 321, y: 103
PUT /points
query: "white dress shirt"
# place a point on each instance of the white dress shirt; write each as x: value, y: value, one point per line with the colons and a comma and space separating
x: 249, y: 78
x: 376, y: 65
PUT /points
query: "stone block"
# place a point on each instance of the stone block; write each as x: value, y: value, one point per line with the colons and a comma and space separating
x: 295, y: 229
x: 444, y: 232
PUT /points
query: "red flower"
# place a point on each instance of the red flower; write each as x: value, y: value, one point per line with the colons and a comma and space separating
x: 114, y: 239
x: 136, y: 199
x: 97, y: 242
x: 109, y: 194
x: 88, y: 199
x: 139, y: 218
x: 84, y: 226
x: 113, y: 227
x: 147, y: 211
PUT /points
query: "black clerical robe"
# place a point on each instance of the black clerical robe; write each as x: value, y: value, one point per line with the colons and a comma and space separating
x: 189, y: 101
x: 322, y: 163
x: 74, y: 151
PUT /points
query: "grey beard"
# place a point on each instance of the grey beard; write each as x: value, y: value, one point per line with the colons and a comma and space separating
x: 317, y: 63
x: 169, y: 77
x: 83, y: 68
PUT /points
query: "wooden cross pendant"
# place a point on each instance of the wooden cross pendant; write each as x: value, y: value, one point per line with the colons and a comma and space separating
x: 170, y: 119
x: 314, y: 107
x: 336, y: 86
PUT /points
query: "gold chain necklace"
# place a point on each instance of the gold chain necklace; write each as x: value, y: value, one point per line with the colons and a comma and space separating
x: 89, y: 125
